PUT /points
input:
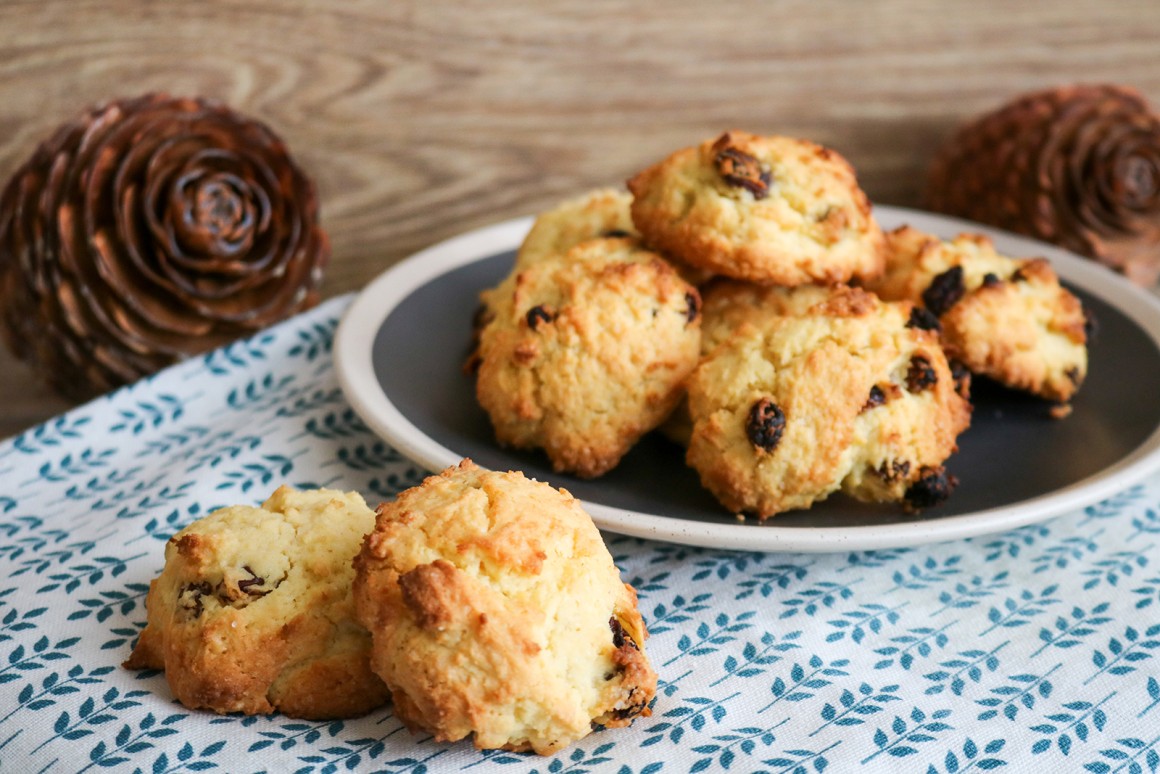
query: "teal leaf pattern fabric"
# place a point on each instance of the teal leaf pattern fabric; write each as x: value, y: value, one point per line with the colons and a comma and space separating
x: 1039, y: 647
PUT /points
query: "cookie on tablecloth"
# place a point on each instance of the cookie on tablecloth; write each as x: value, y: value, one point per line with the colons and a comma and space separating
x: 253, y: 611
x: 1005, y: 318
x: 773, y: 210
x: 853, y: 395
x: 497, y: 612
x: 586, y: 352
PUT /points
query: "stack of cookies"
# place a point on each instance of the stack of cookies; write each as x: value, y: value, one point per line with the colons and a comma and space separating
x: 741, y: 297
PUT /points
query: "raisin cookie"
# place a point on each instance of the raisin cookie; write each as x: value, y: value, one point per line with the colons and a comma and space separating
x: 853, y: 395
x: 253, y: 611
x: 600, y: 213
x: 1005, y: 318
x: 497, y: 612
x: 586, y: 352
x: 772, y: 210
x: 727, y: 305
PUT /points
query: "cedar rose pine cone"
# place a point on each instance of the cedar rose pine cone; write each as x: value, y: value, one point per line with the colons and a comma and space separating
x: 148, y: 230
x: 1078, y: 166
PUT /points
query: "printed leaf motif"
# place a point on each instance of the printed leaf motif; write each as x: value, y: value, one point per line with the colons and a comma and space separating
x: 707, y: 639
x: 1147, y: 523
x: 271, y: 468
x: 1012, y: 543
x: 804, y: 680
x: 335, y: 424
x: 1153, y: 694
x: 1071, y: 549
x: 723, y: 565
x: 1070, y: 631
x: 48, y: 690
x: 902, y: 734
x: 971, y: 665
x: 1073, y: 723
x: 971, y: 593
x: 663, y: 617
x: 237, y: 355
x: 309, y: 402
x: 258, y: 394
x: 393, y: 483
x: 754, y: 660
x: 855, y: 706
x: 874, y: 559
x: 1114, y: 505
x: 1129, y: 754
x: 223, y: 447
x: 772, y: 579
x: 1019, y: 611
x: 694, y: 714
x: 1149, y: 593
x: 314, y: 340
x: 970, y: 756
x: 71, y: 465
x: 50, y: 435
x: 725, y: 749
x: 926, y: 574
x: 800, y: 760
x: 865, y: 619
x: 1120, y: 564
x: 375, y: 456
x: 821, y: 595
x: 1020, y: 691
x: 164, y: 527
x: 1122, y: 652
x: 144, y: 415
x: 920, y: 642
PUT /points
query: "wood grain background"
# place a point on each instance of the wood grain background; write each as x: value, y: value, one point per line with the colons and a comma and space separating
x: 420, y: 119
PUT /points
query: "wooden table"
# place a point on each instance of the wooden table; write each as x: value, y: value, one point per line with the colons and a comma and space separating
x: 420, y: 119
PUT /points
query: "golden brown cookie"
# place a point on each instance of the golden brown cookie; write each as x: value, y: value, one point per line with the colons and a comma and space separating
x: 497, y: 612
x: 772, y: 210
x: 1005, y: 318
x: 586, y: 352
x: 253, y: 611
x: 600, y: 213
x: 727, y: 306
x: 852, y: 395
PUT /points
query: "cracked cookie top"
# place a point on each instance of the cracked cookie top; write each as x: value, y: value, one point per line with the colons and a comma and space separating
x: 849, y: 394
x: 585, y: 352
x: 497, y: 612
x: 773, y: 210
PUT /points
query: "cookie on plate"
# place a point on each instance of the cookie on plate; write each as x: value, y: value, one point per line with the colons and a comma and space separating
x: 727, y: 305
x: 853, y: 395
x: 603, y: 212
x: 253, y: 611
x: 1005, y: 318
x: 586, y: 352
x: 497, y: 612
x: 771, y: 210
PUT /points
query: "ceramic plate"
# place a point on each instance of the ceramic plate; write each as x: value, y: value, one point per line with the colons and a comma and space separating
x: 401, y: 344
